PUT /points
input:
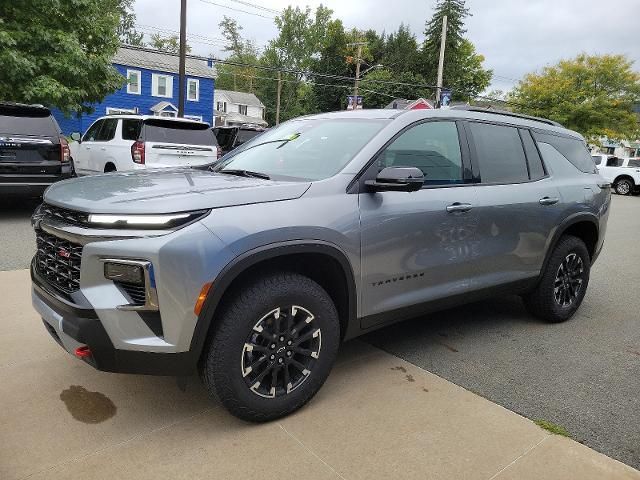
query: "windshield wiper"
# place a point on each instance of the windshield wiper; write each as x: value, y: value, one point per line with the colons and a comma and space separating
x: 246, y: 173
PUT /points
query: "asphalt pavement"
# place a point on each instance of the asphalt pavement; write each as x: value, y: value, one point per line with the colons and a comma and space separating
x: 583, y: 375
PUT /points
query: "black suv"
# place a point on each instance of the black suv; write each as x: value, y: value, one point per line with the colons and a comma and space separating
x: 232, y: 137
x: 33, y: 152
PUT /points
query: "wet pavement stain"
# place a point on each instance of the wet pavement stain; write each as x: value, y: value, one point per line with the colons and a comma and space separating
x: 425, y: 390
x: 410, y: 378
x: 448, y: 347
x: 86, y: 406
x: 400, y: 369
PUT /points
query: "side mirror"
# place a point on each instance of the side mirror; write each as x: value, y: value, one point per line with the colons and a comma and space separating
x: 76, y: 136
x: 399, y: 179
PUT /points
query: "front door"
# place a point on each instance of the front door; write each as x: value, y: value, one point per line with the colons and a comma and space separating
x: 82, y: 154
x: 419, y: 246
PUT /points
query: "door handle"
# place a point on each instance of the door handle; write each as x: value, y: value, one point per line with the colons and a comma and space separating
x: 459, y: 207
x: 549, y: 200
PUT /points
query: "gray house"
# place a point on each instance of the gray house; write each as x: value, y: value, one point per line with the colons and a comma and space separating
x: 237, y: 108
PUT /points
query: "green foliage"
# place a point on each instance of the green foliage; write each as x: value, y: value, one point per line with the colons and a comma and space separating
x: 232, y: 77
x: 59, y: 52
x: 463, y: 70
x: 593, y: 94
x: 170, y: 44
x: 401, y: 52
x: 378, y: 94
x: 127, y: 29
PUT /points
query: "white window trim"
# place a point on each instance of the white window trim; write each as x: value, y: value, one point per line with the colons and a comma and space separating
x: 197, y: 82
x: 139, y: 73
x: 194, y: 117
x: 121, y: 111
x: 154, y: 85
x: 246, y: 109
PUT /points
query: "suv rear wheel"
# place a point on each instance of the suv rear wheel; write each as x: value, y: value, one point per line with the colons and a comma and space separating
x: 273, y: 347
x: 563, y: 283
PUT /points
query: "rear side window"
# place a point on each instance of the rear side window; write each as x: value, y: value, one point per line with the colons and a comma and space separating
x: 186, y: 133
x: 573, y: 149
x: 245, y: 135
x: 597, y: 159
x: 634, y: 163
x: 536, y: 168
x: 131, y: 129
x: 433, y: 147
x: 224, y: 136
x: 614, y: 162
x: 27, y: 121
x: 500, y: 154
x: 107, y: 130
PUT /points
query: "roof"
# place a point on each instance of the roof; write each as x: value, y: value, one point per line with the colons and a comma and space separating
x: 164, y: 62
x: 241, y: 98
x: 160, y: 106
x: 239, y: 118
x: 404, y: 104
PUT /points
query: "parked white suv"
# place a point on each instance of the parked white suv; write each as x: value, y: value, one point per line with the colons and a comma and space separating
x: 623, y: 173
x: 132, y: 142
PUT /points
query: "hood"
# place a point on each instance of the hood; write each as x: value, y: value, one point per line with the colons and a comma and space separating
x: 165, y: 191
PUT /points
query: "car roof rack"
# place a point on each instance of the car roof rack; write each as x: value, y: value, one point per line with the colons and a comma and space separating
x: 471, y: 108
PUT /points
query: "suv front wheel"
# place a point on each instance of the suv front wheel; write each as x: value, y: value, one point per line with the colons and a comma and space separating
x: 272, y: 348
x: 563, y: 283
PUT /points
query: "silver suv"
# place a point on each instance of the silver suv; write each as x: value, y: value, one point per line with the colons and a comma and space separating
x: 315, y: 232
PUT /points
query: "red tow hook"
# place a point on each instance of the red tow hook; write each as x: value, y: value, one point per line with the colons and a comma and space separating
x: 83, y: 352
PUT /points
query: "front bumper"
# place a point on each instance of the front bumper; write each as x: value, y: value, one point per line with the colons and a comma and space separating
x: 73, y: 326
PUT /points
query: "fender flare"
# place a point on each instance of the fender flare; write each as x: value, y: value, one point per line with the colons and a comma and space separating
x: 252, y: 257
x: 564, y: 226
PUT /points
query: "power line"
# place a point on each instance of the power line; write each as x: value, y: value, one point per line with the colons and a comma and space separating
x: 237, y: 9
x: 258, y: 7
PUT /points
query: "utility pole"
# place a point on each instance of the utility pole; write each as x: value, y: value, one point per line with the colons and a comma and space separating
x: 278, y: 97
x: 443, y: 41
x: 183, y: 58
x: 355, y: 86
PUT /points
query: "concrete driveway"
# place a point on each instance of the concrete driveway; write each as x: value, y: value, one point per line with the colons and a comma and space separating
x: 377, y: 417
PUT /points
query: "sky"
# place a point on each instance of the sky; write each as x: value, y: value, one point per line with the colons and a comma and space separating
x: 515, y: 36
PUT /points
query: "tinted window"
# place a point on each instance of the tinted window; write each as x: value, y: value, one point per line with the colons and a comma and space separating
x: 614, y: 162
x: 131, y: 129
x: 597, y: 159
x: 188, y: 133
x: 536, y: 168
x: 500, y: 155
x: 433, y: 147
x: 634, y: 163
x: 107, y: 130
x: 28, y: 126
x: 224, y: 136
x: 573, y: 149
x: 90, y: 135
x: 246, y: 135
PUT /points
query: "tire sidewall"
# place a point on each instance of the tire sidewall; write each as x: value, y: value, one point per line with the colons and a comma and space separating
x: 224, y: 365
x: 567, y: 246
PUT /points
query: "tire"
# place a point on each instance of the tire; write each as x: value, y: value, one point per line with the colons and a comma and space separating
x: 109, y: 168
x: 240, y: 340
x: 624, y: 186
x: 549, y: 304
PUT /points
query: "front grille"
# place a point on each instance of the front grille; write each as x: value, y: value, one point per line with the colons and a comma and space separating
x: 70, y: 217
x: 137, y: 293
x: 58, y: 262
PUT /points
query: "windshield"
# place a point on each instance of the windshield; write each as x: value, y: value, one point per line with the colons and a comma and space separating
x: 304, y: 149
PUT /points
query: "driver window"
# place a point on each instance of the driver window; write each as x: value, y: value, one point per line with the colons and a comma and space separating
x: 91, y: 134
x: 433, y: 147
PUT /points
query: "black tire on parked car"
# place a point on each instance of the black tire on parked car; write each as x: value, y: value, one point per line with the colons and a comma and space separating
x: 272, y: 346
x: 624, y: 186
x: 563, y: 283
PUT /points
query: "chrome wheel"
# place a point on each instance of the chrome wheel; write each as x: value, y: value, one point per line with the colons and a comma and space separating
x: 280, y: 352
x: 569, y: 279
x: 623, y: 187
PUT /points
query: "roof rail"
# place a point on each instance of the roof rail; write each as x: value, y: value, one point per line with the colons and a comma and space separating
x: 471, y: 108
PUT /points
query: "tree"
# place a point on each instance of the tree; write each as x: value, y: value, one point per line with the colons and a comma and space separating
x: 170, y: 44
x: 237, y: 77
x: 127, y: 29
x: 380, y: 87
x: 593, y: 94
x: 401, y: 52
x: 53, y: 55
x: 460, y: 55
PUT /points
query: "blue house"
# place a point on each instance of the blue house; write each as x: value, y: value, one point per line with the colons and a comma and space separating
x: 151, y: 89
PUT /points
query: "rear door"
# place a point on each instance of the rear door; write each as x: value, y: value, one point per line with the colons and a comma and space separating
x: 171, y: 143
x: 29, y: 142
x: 518, y: 203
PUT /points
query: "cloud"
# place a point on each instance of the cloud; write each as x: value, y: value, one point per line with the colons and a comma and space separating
x: 515, y: 36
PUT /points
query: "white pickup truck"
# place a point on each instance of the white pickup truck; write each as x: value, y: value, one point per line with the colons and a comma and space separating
x: 623, y: 173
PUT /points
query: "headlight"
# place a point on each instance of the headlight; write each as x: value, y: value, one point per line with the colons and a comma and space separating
x: 155, y: 222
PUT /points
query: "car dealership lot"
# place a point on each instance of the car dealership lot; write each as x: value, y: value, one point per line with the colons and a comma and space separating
x: 377, y: 415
